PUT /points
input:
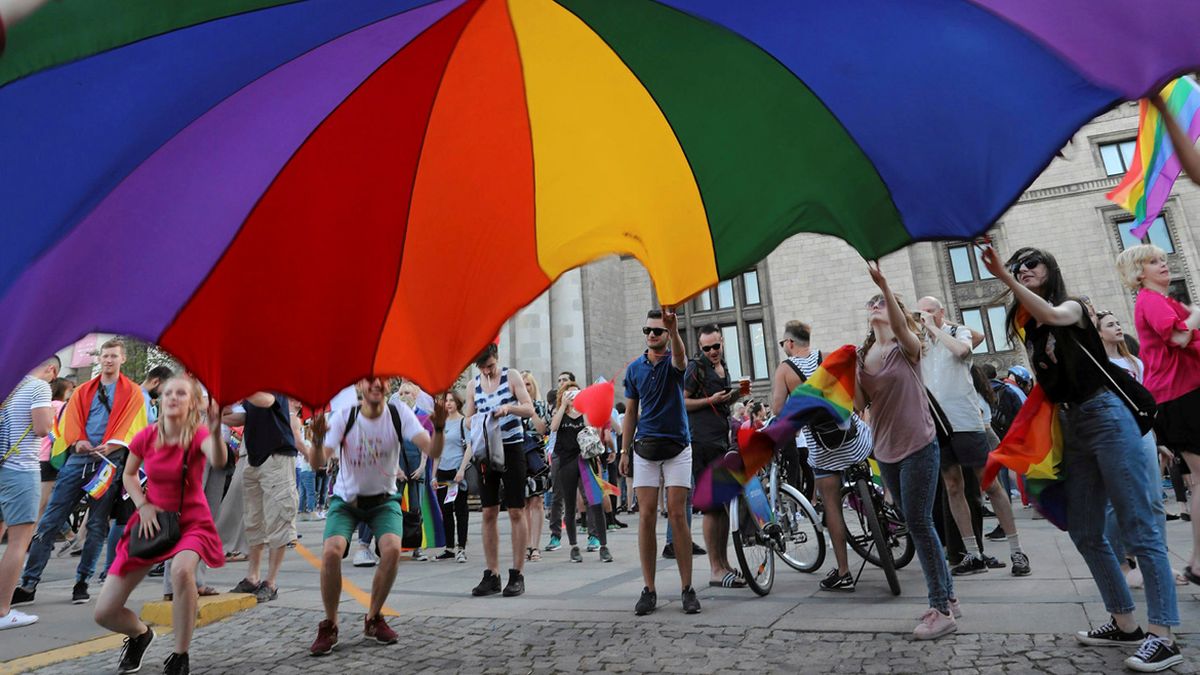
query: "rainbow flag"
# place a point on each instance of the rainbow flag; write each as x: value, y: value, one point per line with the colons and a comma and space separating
x: 128, y: 417
x: 1033, y: 447
x: 1147, y: 184
x: 594, y: 487
x: 101, y: 481
x: 433, y: 533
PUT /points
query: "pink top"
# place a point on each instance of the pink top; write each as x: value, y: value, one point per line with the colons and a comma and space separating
x: 48, y: 441
x: 1171, y: 371
x: 900, y: 418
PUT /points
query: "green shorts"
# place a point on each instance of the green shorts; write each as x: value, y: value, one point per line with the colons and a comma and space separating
x: 385, y: 518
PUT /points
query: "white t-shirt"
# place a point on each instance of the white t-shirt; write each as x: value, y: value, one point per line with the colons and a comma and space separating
x: 949, y: 380
x: 30, y: 395
x: 371, y: 455
x: 1135, y: 374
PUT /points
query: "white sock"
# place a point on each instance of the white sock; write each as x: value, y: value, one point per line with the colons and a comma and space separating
x: 1014, y: 543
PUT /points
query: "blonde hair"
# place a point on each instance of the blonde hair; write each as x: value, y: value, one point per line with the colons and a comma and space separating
x: 192, y: 421
x: 528, y: 378
x: 1131, y: 260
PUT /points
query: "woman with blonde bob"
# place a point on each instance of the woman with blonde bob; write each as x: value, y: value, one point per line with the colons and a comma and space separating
x: 178, y: 438
x: 1170, y: 352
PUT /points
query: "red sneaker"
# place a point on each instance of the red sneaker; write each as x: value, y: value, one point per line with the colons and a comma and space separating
x: 327, y: 637
x: 380, y: 630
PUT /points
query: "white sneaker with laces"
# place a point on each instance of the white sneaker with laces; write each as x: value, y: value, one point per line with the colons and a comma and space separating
x: 16, y: 619
x: 461, y: 556
x: 364, y: 557
x: 934, y: 625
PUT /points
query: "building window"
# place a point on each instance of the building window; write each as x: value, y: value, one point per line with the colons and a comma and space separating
x: 733, y: 352
x: 758, y: 351
x: 966, y: 264
x: 1117, y: 157
x: 703, y: 302
x: 725, y: 294
x: 990, y: 322
x: 1158, y: 234
x: 750, y: 288
x: 1179, y: 290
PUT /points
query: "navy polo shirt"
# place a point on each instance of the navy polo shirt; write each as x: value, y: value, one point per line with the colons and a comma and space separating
x: 658, y: 388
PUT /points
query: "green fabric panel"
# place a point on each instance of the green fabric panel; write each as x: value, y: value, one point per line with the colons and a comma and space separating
x: 68, y: 30
x: 769, y: 158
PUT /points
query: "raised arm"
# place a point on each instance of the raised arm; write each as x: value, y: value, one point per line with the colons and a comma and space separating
x: 908, y: 340
x: 671, y: 322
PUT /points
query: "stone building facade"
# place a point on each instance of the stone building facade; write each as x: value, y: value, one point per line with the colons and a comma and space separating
x: 589, y: 321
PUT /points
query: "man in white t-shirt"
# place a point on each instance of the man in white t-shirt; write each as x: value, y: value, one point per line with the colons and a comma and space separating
x: 27, y: 416
x: 367, y: 440
x: 946, y: 367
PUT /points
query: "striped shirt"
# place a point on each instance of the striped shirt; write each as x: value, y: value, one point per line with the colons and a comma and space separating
x: 845, y: 455
x: 807, y: 365
x: 30, y: 395
x: 511, y: 430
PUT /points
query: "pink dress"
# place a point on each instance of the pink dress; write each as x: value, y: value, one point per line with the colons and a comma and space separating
x: 163, y: 467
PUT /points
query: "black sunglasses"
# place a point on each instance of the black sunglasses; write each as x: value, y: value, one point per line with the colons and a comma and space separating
x: 785, y: 340
x: 646, y: 330
x: 711, y: 348
x: 1031, y: 263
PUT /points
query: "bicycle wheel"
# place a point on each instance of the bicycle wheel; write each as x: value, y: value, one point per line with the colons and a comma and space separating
x: 899, y: 540
x: 862, y: 540
x: 754, y: 556
x: 803, y: 542
x: 863, y: 490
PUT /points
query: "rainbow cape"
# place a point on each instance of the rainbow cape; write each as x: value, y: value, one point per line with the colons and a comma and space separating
x: 1033, y: 447
x: 828, y: 393
x: 128, y: 417
x: 1147, y: 184
x: 594, y: 487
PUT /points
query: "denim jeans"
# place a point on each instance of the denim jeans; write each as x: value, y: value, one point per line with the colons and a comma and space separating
x: 1104, y: 461
x: 1118, y: 539
x: 306, y: 482
x: 913, y: 484
x: 68, y: 488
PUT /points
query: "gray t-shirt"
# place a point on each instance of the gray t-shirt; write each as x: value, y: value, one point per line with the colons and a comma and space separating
x: 30, y: 395
x: 949, y: 380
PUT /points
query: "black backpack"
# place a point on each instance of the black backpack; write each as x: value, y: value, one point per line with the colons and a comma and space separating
x: 1008, y: 404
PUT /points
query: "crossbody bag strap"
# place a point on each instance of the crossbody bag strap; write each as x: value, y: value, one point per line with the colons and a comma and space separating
x: 933, y: 407
x: 183, y: 479
x: 1107, y: 376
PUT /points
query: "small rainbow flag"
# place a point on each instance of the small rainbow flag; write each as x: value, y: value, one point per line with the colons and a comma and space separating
x: 594, y: 487
x: 101, y: 481
x: 1033, y: 447
x: 1148, y: 182
x: 433, y: 533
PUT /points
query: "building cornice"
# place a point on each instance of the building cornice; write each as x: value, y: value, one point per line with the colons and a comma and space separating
x: 1100, y: 185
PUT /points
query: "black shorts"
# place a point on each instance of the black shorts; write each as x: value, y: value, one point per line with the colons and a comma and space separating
x: 1178, y: 424
x: 511, y: 483
x: 966, y: 448
x: 49, y: 473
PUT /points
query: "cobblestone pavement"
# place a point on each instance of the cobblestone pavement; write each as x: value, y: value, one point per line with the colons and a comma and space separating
x: 275, y: 640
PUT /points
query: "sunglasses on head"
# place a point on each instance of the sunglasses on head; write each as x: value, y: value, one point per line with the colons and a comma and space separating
x: 1031, y: 263
x: 711, y: 348
x: 646, y: 330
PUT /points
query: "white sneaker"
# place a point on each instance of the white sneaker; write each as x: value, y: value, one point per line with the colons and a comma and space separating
x: 365, y: 557
x: 320, y: 515
x: 934, y: 625
x: 461, y: 556
x: 419, y: 556
x: 16, y: 619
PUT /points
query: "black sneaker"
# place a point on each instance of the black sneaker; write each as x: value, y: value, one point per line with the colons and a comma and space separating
x: 1109, y: 635
x: 1020, y: 566
x: 697, y: 550
x: 489, y: 586
x: 997, y: 534
x: 79, y: 594
x: 515, y: 585
x: 647, y: 603
x: 691, y: 604
x: 993, y: 563
x: 576, y: 556
x: 605, y: 556
x: 838, y: 582
x: 1154, y: 655
x: 133, y: 651
x: 245, y: 586
x: 176, y: 664
x: 157, y: 570
x: 445, y: 555
x: 669, y: 551
x: 22, y: 597
x: 970, y: 564
x: 985, y: 512
x: 265, y: 592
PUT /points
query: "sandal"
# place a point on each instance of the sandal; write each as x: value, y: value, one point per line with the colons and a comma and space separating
x: 730, y: 580
x: 205, y: 591
x: 535, y: 555
x: 1190, y: 575
x: 235, y: 556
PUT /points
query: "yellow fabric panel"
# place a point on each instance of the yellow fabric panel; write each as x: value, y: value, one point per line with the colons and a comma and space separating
x: 610, y: 175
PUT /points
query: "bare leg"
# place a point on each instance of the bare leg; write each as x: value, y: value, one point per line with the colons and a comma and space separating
x: 1193, y: 463
x: 254, y: 562
x: 183, y: 608
x: 716, y: 532
x: 534, y: 516
x: 520, y: 535
x: 1001, y: 504
x: 491, y: 538
x: 835, y: 521
x: 647, y: 537
x: 676, y: 512
x: 19, y: 537
x: 111, y: 612
x: 957, y: 497
x: 331, y: 575
x: 275, y: 562
x: 385, y: 573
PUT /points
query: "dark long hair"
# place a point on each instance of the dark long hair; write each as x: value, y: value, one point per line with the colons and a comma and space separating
x: 1053, y: 291
x: 983, y: 387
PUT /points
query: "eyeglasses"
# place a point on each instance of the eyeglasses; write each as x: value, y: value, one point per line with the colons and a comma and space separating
x: 1031, y: 263
x: 876, y: 302
x: 646, y: 330
x: 711, y: 348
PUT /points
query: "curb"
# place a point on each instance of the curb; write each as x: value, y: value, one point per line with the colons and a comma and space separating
x: 209, y: 609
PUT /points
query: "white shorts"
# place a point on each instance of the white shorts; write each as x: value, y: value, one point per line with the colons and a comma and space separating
x: 674, y: 472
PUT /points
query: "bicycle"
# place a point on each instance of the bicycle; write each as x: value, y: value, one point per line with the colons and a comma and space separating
x: 793, y: 533
x: 877, y: 533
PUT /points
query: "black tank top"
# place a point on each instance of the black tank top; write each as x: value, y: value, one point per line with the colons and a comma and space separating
x: 1060, y: 365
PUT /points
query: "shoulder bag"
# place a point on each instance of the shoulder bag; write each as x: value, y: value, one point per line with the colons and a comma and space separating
x: 1136, y: 397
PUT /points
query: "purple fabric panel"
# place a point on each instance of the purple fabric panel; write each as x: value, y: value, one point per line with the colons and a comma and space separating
x: 1129, y: 46
x: 133, y: 263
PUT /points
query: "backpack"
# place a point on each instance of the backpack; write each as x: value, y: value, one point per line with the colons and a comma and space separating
x: 396, y: 423
x: 1008, y: 404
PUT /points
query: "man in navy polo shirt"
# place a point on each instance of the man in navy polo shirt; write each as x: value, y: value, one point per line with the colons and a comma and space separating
x: 656, y: 426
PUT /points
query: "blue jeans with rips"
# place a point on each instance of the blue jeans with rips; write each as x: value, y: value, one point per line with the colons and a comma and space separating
x: 913, y: 484
x: 1103, y: 462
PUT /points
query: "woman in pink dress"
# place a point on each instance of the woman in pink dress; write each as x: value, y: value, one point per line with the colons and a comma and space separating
x: 160, y: 450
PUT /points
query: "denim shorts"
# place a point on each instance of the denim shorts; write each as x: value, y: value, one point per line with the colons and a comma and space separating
x: 20, y: 494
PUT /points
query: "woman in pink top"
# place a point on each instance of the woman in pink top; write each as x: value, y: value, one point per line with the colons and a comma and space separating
x: 161, y: 449
x: 889, y: 381
x: 1170, y: 351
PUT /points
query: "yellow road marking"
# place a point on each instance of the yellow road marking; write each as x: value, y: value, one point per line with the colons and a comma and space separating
x: 348, y: 586
x: 70, y: 652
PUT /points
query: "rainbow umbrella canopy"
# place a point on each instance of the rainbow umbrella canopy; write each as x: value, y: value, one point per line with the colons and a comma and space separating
x: 295, y: 194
